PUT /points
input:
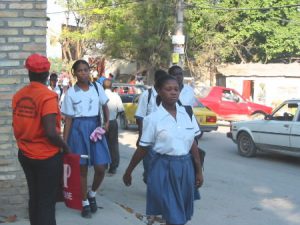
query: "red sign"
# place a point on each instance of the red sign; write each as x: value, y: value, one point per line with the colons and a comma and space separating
x: 71, y: 181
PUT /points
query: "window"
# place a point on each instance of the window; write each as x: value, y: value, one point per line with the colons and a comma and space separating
x: 286, y: 112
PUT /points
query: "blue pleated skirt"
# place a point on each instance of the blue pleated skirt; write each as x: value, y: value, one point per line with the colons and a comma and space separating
x: 80, y: 143
x: 171, y: 188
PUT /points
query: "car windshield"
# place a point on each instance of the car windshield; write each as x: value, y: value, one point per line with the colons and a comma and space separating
x: 122, y: 89
x: 201, y: 91
x: 286, y: 112
x: 197, y: 103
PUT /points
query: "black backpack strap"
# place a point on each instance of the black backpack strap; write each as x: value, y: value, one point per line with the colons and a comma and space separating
x: 202, y: 153
x: 99, y: 114
x: 189, y: 110
x: 61, y: 91
x: 149, y: 94
x: 96, y: 87
x: 179, y: 103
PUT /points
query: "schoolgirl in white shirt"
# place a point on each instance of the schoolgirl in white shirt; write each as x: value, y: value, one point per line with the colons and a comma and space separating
x: 81, y: 109
x: 187, y: 95
x: 174, y: 171
x: 146, y: 105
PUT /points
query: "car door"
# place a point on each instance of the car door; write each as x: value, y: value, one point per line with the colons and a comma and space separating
x: 295, y: 132
x: 275, y: 131
x: 232, y: 105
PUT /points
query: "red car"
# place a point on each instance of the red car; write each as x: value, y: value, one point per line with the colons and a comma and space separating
x: 228, y: 104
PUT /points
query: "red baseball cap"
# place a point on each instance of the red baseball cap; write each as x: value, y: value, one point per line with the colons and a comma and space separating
x: 37, y: 63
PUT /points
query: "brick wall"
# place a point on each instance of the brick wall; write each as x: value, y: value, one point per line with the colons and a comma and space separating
x: 22, y: 32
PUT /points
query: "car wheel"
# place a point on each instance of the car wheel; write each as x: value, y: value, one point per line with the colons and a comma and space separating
x: 258, y: 116
x: 246, y: 146
x: 123, y: 122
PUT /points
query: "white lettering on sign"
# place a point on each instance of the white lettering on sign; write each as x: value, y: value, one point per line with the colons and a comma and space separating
x: 67, y: 174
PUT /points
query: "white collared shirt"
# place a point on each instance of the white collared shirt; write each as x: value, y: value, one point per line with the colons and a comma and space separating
x: 187, y: 95
x: 79, y: 103
x: 144, y: 108
x: 167, y: 135
x: 114, y: 104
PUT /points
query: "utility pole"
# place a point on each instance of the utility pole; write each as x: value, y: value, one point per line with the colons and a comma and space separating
x: 178, y: 39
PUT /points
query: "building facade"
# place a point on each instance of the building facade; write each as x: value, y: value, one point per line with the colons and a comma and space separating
x: 268, y: 84
x: 23, y: 25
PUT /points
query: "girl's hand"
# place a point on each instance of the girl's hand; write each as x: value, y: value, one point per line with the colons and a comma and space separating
x: 199, y: 179
x: 127, y: 179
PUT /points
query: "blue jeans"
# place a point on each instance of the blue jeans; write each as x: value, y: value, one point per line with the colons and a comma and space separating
x: 43, y: 180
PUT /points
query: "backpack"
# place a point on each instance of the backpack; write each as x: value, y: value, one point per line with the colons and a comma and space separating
x: 189, y: 111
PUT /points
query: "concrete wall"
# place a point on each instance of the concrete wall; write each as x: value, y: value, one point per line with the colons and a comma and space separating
x: 22, y: 32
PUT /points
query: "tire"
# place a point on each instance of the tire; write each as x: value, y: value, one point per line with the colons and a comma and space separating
x: 246, y: 146
x: 123, y: 122
x: 258, y: 116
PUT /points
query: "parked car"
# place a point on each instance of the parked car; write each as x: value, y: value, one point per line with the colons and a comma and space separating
x: 205, y: 117
x: 125, y: 89
x: 229, y: 105
x: 127, y: 118
x: 279, y: 131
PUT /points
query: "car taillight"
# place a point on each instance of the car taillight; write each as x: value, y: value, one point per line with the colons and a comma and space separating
x: 211, y: 119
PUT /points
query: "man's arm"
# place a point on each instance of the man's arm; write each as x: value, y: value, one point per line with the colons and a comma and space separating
x: 106, y: 116
x: 49, y: 124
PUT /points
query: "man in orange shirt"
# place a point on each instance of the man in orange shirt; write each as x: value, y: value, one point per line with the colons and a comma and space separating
x: 36, y: 125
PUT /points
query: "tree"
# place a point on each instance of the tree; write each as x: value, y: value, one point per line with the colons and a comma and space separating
x: 267, y: 33
x: 126, y: 29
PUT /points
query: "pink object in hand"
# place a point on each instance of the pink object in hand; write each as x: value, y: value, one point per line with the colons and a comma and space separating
x: 97, y: 134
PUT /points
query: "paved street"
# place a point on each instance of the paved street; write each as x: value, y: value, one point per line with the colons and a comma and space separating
x: 237, y: 191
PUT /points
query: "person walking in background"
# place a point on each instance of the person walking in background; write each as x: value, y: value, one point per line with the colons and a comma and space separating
x: 115, y: 107
x: 174, y: 170
x: 36, y: 122
x: 187, y: 95
x: 131, y: 80
x: 64, y: 91
x: 146, y: 105
x: 147, y: 102
x: 53, y: 85
x: 81, y: 109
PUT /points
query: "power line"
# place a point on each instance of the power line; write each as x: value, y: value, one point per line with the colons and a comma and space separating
x: 241, y: 9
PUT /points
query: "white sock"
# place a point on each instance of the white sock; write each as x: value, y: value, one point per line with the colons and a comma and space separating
x: 86, y: 202
x: 92, y: 194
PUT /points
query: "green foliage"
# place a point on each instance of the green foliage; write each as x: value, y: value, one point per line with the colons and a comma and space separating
x: 244, y: 35
x: 217, y: 30
x: 132, y: 30
x: 58, y: 65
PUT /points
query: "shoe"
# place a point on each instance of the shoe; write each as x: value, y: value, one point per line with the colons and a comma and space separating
x: 112, y: 170
x: 86, y: 211
x: 93, y: 204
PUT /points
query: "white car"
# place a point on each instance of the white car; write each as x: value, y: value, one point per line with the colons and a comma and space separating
x: 279, y: 131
